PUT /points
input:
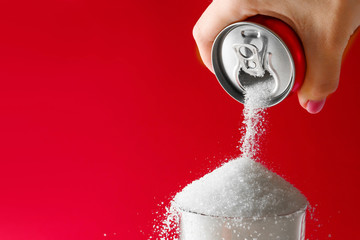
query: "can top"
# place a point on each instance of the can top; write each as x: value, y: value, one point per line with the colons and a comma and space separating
x: 245, y: 53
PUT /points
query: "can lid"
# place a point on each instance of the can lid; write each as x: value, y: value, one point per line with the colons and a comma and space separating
x: 245, y: 53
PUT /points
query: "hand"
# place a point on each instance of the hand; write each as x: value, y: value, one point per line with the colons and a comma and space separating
x: 324, y: 27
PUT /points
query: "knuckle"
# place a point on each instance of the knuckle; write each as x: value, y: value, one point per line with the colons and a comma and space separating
x: 198, y: 33
x: 195, y: 32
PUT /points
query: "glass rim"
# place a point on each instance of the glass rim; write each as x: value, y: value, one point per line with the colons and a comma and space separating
x: 301, y: 210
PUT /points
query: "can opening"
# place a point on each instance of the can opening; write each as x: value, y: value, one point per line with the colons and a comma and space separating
x: 249, y: 80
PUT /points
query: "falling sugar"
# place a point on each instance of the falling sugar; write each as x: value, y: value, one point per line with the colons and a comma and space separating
x: 241, y: 188
x: 255, y: 97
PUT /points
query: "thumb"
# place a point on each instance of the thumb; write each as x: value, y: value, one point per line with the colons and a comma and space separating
x: 322, y: 75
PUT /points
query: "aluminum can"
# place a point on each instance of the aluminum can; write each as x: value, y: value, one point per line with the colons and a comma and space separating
x: 259, y: 49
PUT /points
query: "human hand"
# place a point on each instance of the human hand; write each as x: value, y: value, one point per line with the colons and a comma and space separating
x: 324, y: 28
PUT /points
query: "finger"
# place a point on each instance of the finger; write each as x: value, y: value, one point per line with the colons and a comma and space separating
x: 217, y: 16
x: 322, y: 74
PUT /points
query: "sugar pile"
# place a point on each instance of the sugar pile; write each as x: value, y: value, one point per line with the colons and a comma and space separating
x: 241, y: 188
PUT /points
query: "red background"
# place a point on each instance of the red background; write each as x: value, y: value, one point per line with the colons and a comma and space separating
x: 106, y: 111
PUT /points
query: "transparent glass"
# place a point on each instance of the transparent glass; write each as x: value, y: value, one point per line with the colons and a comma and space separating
x: 194, y: 226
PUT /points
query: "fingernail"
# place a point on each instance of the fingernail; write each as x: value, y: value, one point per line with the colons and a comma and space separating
x: 314, y: 107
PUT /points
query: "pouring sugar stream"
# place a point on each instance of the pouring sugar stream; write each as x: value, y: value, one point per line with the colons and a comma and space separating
x: 242, y: 199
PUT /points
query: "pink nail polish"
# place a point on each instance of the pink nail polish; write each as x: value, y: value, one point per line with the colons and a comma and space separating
x: 314, y: 107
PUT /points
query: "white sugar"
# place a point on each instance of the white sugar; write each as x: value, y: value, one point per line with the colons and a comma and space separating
x: 241, y: 188
x: 256, y: 96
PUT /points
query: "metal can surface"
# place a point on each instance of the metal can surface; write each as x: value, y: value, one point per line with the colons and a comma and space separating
x: 259, y: 49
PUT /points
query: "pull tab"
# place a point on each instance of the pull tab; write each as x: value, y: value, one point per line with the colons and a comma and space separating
x: 249, y: 59
x: 252, y: 61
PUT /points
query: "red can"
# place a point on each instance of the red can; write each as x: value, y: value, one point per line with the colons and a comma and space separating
x: 259, y: 48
